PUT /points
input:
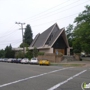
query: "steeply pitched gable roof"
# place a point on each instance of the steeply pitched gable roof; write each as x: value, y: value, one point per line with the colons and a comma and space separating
x: 42, y: 37
x: 57, y: 35
x: 49, y: 37
x: 35, y: 39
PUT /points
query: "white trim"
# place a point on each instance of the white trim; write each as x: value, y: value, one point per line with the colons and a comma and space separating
x: 49, y: 34
x: 66, y: 40
x: 31, y: 48
x: 17, y: 49
x: 57, y: 37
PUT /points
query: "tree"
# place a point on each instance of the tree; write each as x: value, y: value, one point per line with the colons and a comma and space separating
x: 84, y: 16
x: 25, y: 45
x: 2, y: 53
x: 82, y: 30
x: 28, y: 54
x: 69, y: 33
x: 28, y: 35
x: 19, y: 55
x: 35, y: 52
x: 9, y: 53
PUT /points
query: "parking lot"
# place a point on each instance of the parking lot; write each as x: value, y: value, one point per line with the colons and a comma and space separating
x: 34, y: 77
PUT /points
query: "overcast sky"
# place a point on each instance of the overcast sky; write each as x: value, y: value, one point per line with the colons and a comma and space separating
x: 40, y: 14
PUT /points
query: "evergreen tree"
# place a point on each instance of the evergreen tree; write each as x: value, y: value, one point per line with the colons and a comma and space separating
x: 25, y: 45
x: 2, y: 53
x: 9, y: 53
x: 28, y: 35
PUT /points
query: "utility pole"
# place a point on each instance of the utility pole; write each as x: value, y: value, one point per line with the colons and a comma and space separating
x: 22, y: 32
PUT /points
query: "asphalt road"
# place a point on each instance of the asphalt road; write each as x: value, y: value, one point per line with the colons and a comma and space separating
x: 34, y: 77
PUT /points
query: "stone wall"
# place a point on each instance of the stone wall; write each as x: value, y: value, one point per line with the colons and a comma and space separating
x: 68, y: 58
x: 51, y: 57
x: 77, y: 56
x: 74, y: 57
x: 58, y: 59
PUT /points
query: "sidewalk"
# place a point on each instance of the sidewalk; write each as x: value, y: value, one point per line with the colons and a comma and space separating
x: 84, y: 63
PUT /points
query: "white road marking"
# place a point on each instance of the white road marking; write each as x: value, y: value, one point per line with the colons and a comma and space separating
x: 61, y: 83
x: 7, y: 84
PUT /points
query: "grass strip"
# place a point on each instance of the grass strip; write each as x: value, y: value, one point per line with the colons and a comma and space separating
x: 67, y: 65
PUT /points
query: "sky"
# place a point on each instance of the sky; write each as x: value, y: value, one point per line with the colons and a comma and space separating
x: 39, y: 14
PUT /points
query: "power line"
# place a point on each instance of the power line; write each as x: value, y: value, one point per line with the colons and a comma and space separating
x: 6, y: 36
x: 53, y: 11
x: 58, y: 12
x: 58, y: 19
x: 47, y: 10
x: 3, y: 34
x: 10, y: 41
x: 55, y: 20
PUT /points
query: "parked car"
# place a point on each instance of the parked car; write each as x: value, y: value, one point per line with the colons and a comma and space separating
x: 25, y: 61
x: 5, y: 59
x: 44, y: 62
x: 18, y: 60
x: 9, y: 60
x: 1, y: 59
x: 13, y: 60
x: 33, y: 61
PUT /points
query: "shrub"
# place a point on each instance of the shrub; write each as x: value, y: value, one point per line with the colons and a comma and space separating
x: 35, y: 52
x: 40, y: 53
x: 19, y: 55
x: 76, y: 51
x: 80, y: 59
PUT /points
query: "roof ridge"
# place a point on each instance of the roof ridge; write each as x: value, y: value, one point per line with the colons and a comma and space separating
x: 49, y: 27
x: 50, y: 32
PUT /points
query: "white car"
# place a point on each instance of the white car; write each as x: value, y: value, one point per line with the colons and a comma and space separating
x: 33, y: 61
x: 25, y: 61
x: 9, y: 60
